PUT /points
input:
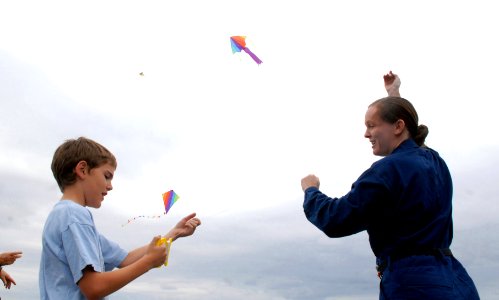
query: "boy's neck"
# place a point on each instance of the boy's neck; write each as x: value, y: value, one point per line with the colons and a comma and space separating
x: 73, y: 193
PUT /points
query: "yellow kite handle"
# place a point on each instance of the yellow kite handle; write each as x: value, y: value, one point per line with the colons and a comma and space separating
x: 167, y: 243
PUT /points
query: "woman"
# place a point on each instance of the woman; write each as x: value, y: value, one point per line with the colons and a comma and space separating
x: 404, y: 201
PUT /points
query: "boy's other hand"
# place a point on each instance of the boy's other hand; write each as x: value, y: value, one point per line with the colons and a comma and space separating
x: 184, y: 227
x: 156, y: 254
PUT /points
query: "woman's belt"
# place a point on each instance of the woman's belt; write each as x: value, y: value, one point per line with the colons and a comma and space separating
x: 381, y: 264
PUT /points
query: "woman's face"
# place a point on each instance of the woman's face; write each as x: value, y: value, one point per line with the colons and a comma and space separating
x: 384, y: 137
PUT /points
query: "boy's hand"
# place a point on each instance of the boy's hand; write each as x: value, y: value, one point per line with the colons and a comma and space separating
x: 184, y: 227
x: 156, y: 254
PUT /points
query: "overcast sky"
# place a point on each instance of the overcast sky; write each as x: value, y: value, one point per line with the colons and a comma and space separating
x: 234, y: 138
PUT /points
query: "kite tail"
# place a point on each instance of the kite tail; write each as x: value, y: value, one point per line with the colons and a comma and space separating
x: 255, y: 58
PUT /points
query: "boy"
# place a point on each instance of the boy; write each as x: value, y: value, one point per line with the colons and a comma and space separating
x: 77, y: 262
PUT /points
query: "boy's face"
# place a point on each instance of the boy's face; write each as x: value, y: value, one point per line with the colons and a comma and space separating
x: 97, y: 184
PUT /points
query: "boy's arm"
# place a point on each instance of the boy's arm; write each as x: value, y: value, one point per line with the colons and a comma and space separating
x: 185, y: 227
x: 96, y: 285
x: 133, y: 256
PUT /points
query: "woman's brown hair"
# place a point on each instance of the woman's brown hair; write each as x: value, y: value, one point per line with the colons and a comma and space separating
x: 392, y: 109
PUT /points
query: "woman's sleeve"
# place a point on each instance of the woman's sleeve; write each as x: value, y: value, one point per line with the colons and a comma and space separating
x: 350, y: 214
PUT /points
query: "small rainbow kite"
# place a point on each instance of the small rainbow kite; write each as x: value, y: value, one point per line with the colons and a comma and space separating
x: 238, y: 43
x: 169, y: 198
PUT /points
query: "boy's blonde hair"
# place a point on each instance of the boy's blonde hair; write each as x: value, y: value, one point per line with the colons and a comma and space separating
x: 71, y: 152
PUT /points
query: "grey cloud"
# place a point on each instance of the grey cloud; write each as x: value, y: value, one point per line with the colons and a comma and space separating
x: 36, y: 118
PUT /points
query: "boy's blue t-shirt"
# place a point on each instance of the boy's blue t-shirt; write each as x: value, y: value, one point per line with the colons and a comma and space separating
x: 70, y: 243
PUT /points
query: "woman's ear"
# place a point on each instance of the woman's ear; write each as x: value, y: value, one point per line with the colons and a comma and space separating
x: 399, y: 126
x: 81, y: 169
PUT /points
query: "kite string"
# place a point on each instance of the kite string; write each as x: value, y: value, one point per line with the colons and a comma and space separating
x: 146, y: 217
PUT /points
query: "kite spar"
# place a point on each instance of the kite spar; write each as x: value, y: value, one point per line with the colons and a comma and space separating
x: 238, y: 43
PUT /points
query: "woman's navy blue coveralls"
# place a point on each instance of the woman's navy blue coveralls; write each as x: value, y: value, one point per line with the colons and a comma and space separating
x: 404, y: 201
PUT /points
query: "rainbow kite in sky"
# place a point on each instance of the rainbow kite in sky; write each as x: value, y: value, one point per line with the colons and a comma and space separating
x: 169, y: 198
x: 238, y: 43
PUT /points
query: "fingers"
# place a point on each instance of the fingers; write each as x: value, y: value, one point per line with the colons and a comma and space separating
x: 194, y: 222
x: 191, y: 220
x: 10, y: 257
x: 389, y: 78
x: 16, y: 255
x: 187, y: 218
x: 7, y: 280
x: 155, y: 240
x: 156, y: 252
x: 389, y: 74
x: 9, y: 283
x: 309, y: 181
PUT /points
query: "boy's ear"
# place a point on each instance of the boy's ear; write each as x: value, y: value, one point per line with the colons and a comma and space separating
x: 81, y: 169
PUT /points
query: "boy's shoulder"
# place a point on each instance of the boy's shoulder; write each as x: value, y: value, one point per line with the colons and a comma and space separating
x: 69, y: 206
x: 66, y: 211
